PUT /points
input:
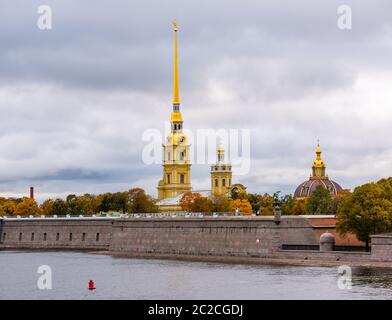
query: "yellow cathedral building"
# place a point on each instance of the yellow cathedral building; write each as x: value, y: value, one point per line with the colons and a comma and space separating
x: 176, y: 179
x: 176, y: 164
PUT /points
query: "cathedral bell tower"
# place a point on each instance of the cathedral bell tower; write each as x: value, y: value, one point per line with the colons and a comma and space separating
x: 176, y: 163
x: 220, y: 175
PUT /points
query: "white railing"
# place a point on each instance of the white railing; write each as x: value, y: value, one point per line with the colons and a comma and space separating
x: 117, y: 216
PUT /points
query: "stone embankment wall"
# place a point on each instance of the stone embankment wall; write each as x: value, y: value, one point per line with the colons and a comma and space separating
x: 56, y: 233
x: 215, y: 236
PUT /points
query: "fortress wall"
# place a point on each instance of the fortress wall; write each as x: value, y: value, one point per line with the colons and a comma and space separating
x: 215, y: 236
x: 60, y: 233
x: 239, y: 236
x: 197, y: 236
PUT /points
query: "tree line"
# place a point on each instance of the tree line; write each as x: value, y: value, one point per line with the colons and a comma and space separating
x: 133, y: 200
x: 365, y: 211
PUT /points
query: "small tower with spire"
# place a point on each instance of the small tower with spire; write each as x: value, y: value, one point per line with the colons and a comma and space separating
x: 318, y: 168
x: 176, y: 158
x: 221, y: 174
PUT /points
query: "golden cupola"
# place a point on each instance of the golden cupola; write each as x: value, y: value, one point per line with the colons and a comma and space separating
x: 317, y: 178
x: 318, y: 168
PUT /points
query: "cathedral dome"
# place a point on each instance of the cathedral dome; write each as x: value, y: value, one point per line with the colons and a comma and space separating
x: 306, y: 188
x: 318, y: 178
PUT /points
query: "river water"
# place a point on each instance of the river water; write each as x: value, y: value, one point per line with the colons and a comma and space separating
x: 127, y: 278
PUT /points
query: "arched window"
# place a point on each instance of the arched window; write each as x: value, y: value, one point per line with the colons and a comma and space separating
x: 20, y: 236
x: 57, y: 236
x: 97, y: 237
x: 32, y: 236
x: 44, y: 236
x: 182, y: 178
x: 216, y: 183
x: 223, y: 182
x: 83, y: 236
x: 70, y: 237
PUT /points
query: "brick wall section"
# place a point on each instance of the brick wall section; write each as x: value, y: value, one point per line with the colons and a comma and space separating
x: 30, y: 233
x: 328, y: 223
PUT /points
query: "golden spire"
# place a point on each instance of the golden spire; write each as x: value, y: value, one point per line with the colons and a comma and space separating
x: 176, y: 93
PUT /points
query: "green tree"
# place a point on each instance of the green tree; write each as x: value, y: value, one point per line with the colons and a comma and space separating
x: 320, y: 202
x: 59, y: 207
x: 367, y: 211
x: 113, y: 202
x: 255, y: 201
x: 287, y: 204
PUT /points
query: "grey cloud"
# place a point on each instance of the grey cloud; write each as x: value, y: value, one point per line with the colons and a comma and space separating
x: 75, y: 100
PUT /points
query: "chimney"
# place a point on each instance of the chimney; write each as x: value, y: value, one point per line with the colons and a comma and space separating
x: 32, y: 193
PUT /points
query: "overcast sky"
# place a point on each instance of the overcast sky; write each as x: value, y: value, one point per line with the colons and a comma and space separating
x: 75, y: 100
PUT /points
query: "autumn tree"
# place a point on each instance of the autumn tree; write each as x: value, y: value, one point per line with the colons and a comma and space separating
x: 9, y: 207
x: 299, y: 207
x: 87, y: 203
x: 187, y: 200
x: 221, y: 203
x: 266, y: 205
x: 139, y: 201
x: 202, y: 204
x: 47, y: 207
x: 320, y: 202
x: 27, y: 207
x: 243, y: 206
x: 194, y: 202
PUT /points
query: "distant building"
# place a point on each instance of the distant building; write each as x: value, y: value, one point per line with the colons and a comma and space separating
x: 317, y: 178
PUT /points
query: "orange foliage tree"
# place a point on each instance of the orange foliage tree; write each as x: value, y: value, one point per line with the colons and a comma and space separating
x: 27, y: 207
x: 194, y: 202
x: 243, y: 205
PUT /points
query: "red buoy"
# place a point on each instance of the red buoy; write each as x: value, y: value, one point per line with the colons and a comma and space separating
x: 91, y: 285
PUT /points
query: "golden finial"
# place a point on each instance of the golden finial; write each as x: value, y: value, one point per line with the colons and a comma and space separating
x: 175, y: 26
